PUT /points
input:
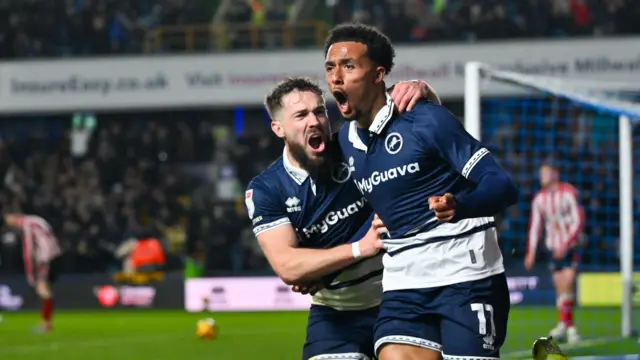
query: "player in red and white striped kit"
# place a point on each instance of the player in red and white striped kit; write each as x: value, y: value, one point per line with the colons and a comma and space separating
x: 40, y: 250
x: 556, y: 209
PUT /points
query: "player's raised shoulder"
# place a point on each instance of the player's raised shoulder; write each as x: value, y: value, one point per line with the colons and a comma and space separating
x: 423, y: 105
x: 269, y: 177
x: 428, y: 114
x: 435, y: 124
x: 262, y: 192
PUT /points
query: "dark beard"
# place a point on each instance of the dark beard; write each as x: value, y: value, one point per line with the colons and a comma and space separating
x: 300, y: 156
x: 317, y: 168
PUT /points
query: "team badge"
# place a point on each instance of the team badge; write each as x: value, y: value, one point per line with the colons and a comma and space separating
x: 341, y: 172
x: 393, y: 143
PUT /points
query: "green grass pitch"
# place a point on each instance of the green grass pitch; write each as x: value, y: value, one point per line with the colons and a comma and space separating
x: 159, y: 335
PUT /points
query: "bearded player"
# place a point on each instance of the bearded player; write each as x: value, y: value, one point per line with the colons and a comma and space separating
x: 556, y: 209
x: 313, y: 224
x: 40, y: 252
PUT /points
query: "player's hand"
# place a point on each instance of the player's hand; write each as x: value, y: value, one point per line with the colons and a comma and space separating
x: 370, y: 244
x: 405, y: 94
x: 529, y: 260
x: 310, y: 288
x: 378, y: 225
x: 444, y: 206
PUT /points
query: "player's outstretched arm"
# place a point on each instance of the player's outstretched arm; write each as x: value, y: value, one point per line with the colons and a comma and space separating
x: 494, y: 192
x: 444, y: 134
x: 296, y: 265
x: 279, y: 242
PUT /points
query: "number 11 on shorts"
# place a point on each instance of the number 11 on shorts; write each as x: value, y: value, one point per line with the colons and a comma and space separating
x: 480, y: 310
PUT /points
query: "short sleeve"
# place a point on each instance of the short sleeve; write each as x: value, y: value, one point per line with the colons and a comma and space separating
x: 263, y: 209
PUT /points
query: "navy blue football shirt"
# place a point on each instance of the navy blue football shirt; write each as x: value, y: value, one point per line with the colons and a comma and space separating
x: 324, y: 213
x: 402, y: 160
x: 332, y: 212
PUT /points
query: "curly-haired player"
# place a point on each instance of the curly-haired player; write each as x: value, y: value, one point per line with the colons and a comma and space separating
x: 436, y: 189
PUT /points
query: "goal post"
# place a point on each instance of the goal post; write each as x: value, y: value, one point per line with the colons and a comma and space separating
x: 625, y: 135
x: 519, y: 103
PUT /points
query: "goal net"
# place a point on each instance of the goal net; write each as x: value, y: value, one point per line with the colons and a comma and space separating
x: 587, y: 130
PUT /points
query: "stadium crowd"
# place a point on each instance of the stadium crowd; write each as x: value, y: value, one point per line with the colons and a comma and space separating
x: 60, y: 28
x: 180, y: 176
x: 45, y: 28
x: 470, y: 20
x: 163, y: 177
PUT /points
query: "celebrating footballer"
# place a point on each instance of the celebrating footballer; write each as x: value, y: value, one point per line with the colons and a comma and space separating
x: 435, y: 188
x: 315, y: 227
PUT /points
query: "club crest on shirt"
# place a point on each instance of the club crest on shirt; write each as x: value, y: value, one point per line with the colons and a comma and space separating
x: 341, y: 172
x: 393, y: 143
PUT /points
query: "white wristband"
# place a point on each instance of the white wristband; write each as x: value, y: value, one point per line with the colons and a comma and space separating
x: 355, y: 249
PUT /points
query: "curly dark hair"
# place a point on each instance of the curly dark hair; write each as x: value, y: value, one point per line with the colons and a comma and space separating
x: 379, y: 47
x: 273, y: 100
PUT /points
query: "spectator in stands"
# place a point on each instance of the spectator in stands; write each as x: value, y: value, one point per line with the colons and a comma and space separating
x: 98, y: 199
x: 142, y: 255
x: 240, y: 12
x: 84, y: 27
x: 471, y: 20
x: 80, y: 28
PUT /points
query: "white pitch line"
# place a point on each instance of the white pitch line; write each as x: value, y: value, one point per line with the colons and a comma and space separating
x: 579, y: 345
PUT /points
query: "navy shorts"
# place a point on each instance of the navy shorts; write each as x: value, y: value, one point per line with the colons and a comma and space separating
x: 343, y: 334
x: 465, y: 320
x: 570, y: 260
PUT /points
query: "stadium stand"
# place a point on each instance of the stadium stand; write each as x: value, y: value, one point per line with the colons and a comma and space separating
x: 90, y: 141
x: 462, y: 20
x: 133, y: 181
x: 136, y: 173
x: 41, y: 28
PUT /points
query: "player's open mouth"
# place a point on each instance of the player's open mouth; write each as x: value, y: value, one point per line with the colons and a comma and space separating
x: 316, y: 143
x: 343, y: 102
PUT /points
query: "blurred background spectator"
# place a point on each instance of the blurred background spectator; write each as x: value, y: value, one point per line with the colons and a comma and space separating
x: 171, y: 179
x: 47, y: 28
